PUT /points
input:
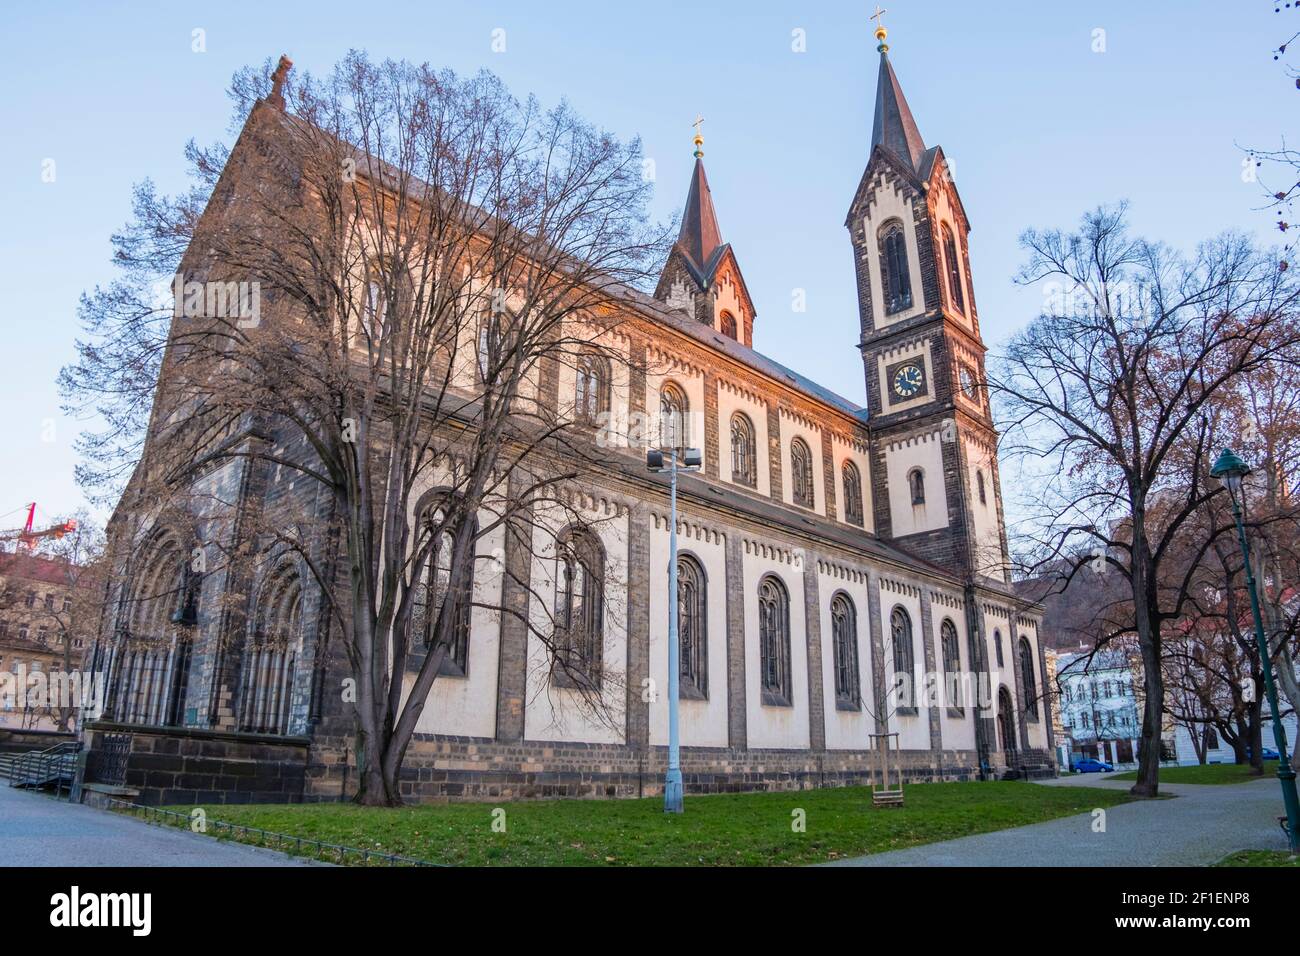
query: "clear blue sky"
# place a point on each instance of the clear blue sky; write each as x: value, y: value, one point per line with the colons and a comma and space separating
x: 1039, y: 127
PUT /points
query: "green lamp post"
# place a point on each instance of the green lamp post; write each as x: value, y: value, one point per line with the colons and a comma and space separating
x: 1230, y: 469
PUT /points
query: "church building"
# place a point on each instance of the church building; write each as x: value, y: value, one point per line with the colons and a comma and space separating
x: 843, y: 570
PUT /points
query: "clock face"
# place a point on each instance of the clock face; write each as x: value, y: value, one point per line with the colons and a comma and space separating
x: 968, y: 383
x: 909, y: 379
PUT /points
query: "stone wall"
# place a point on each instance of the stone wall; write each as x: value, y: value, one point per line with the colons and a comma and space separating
x: 442, y: 768
x: 187, y: 766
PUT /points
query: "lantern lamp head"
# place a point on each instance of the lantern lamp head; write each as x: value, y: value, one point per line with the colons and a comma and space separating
x: 1230, y: 469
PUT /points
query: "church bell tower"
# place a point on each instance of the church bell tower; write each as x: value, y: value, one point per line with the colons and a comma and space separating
x: 933, y: 440
x: 702, y: 277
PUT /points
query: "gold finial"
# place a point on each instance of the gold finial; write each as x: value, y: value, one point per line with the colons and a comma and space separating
x: 699, y: 137
x: 881, y: 32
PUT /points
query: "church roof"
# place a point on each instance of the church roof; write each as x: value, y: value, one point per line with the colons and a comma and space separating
x: 894, y: 127
x: 700, y: 238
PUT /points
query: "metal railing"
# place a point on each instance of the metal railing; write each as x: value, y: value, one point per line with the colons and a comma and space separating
x: 270, y: 839
x: 36, y: 768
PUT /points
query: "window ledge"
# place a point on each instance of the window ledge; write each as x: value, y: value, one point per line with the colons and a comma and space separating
x: 774, y: 700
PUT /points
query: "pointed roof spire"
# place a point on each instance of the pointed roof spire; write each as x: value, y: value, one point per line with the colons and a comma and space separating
x: 700, y: 237
x: 894, y: 127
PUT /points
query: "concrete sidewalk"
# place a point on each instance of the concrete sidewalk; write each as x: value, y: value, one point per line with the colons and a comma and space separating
x: 1199, y: 826
x: 37, y: 830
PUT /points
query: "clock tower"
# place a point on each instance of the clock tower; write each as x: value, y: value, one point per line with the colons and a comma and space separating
x: 934, y: 448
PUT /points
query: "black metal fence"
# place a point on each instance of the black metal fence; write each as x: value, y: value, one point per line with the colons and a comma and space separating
x: 270, y: 839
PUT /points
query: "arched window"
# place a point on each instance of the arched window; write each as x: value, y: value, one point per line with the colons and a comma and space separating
x: 801, y: 473
x: 744, y: 465
x: 900, y: 626
x: 979, y: 482
x: 893, y: 268
x: 997, y: 646
x: 591, y: 396
x: 270, y: 657
x: 490, y: 346
x: 844, y: 647
x: 951, y: 665
x: 692, y: 629
x: 383, y: 281
x: 916, y: 483
x: 580, y: 608
x: 955, y: 293
x: 149, y: 666
x: 375, y: 307
x: 443, y: 578
x: 1027, y: 679
x: 728, y: 325
x: 774, y: 641
x: 674, y: 418
x: 852, y: 494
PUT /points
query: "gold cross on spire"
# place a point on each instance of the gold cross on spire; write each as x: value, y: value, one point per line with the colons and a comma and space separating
x: 699, y: 137
x: 881, y: 32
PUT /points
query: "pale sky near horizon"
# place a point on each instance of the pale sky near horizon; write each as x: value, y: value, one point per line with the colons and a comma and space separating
x: 1038, y: 125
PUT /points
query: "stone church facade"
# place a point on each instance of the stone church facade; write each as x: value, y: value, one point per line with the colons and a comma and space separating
x: 837, y: 559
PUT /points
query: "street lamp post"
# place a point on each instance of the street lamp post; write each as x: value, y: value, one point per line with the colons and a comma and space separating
x: 1230, y: 469
x: 690, y: 461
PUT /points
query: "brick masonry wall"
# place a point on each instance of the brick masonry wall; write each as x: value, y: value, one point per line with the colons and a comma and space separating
x: 175, y: 766
x: 440, y: 768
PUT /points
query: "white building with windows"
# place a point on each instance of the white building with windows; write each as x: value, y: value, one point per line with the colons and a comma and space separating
x: 838, y: 561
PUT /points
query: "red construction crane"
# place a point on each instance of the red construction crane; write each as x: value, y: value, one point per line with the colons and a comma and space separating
x: 27, y: 538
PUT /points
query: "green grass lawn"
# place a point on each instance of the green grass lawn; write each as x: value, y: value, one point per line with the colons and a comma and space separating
x: 1211, y: 773
x: 1260, y: 858
x: 724, y: 830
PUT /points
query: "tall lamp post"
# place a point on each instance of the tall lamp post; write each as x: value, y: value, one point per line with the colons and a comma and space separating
x: 690, y: 461
x: 1230, y: 469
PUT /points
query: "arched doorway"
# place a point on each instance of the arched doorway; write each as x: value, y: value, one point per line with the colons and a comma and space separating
x: 1006, y: 726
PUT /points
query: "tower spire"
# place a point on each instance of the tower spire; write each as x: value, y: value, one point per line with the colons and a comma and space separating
x: 894, y: 128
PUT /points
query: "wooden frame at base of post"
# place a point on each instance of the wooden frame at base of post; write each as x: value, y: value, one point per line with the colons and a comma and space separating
x: 888, y: 792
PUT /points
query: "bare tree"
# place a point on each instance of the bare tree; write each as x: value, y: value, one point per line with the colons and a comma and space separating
x: 1113, y: 381
x: 429, y: 253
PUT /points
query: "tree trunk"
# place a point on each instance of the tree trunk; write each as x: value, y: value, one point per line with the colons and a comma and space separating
x: 1148, y: 772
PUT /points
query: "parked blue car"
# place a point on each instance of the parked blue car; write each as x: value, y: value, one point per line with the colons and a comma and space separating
x: 1268, y: 752
x: 1091, y: 765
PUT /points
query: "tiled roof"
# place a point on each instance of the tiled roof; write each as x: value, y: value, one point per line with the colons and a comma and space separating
x: 33, y: 567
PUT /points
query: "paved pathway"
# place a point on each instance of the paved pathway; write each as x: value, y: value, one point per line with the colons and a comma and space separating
x: 1200, y: 825
x: 36, y: 830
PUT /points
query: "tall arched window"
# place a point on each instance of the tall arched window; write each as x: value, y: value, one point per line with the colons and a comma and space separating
x: 900, y: 625
x: 916, y: 483
x: 744, y: 464
x: 270, y: 657
x: 997, y: 647
x: 149, y: 667
x: 580, y: 608
x: 591, y: 395
x: 375, y: 307
x: 893, y: 268
x: 774, y: 641
x: 383, y: 282
x: 674, y: 418
x: 852, y: 494
x: 979, y: 482
x: 951, y: 665
x: 801, y: 473
x: 443, y: 578
x: 488, y: 348
x: 955, y: 293
x: 1027, y: 679
x: 844, y: 647
x: 728, y: 325
x: 692, y: 628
